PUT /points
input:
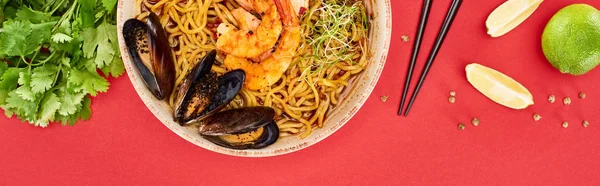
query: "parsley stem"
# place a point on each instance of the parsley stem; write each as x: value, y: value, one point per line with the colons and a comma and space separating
x: 23, y: 58
x: 45, y: 60
x: 56, y: 75
x: 37, y: 51
x: 47, y: 7
x: 18, y: 63
x: 57, y: 6
x: 66, y: 16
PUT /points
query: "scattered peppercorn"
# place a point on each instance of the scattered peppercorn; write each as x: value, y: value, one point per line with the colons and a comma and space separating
x: 475, y: 122
x: 581, y: 95
x: 384, y: 98
x: 537, y: 117
x: 404, y: 38
x: 461, y: 126
x: 567, y: 101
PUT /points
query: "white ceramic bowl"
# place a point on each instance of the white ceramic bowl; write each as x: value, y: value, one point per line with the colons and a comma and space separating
x: 353, y: 100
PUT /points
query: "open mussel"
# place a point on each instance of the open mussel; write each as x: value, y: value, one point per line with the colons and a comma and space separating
x: 201, y: 98
x: 230, y: 85
x: 243, y: 128
x: 237, y: 121
x: 202, y: 94
x: 148, y: 47
x: 196, y: 91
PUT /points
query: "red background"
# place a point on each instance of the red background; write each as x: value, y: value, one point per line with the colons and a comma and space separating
x: 123, y: 142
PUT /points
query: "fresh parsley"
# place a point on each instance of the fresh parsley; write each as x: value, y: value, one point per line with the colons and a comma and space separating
x: 54, y: 55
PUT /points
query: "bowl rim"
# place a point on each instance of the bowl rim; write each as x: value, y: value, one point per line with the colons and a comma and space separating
x: 367, y: 91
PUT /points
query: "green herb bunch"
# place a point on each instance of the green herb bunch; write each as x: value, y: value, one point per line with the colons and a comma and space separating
x: 336, y: 30
x: 54, y: 54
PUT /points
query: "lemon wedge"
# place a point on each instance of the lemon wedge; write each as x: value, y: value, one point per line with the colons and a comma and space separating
x: 509, y: 15
x: 498, y: 87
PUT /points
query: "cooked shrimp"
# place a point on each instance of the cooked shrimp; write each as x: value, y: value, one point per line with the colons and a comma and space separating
x: 246, y: 21
x: 259, y: 6
x: 300, y: 6
x: 252, y: 43
x: 267, y: 72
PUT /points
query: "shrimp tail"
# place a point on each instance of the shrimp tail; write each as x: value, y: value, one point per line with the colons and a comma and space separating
x: 246, y: 4
x: 284, y: 8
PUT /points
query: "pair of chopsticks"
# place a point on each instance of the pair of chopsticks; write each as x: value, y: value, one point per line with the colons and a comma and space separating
x: 436, y: 47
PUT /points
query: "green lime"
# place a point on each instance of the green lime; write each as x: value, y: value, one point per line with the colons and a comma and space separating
x: 571, y: 40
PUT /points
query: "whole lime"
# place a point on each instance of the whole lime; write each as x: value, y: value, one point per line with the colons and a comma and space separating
x: 571, y: 39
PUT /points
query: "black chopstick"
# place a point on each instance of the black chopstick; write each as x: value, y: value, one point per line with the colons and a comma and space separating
x: 416, y: 48
x: 434, y: 51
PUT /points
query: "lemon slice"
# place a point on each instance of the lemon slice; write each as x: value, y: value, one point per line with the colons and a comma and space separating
x: 509, y: 15
x: 498, y: 87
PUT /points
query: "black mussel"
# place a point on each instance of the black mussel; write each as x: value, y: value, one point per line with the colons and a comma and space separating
x: 148, y: 47
x: 230, y: 85
x: 196, y: 91
x: 237, y: 121
x: 257, y: 139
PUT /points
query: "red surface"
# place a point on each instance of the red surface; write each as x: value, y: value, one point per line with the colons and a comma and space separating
x: 123, y: 143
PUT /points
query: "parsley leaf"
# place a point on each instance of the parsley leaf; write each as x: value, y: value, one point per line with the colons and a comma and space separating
x: 3, y: 68
x: 86, y: 13
x: 61, y: 38
x: 27, y: 14
x: 14, y: 40
x: 10, y: 12
x: 24, y: 78
x: 24, y: 90
x: 115, y: 69
x: 17, y: 38
x: 8, y: 81
x: 66, y: 61
x: 106, y: 38
x: 3, y: 96
x: 65, y: 27
x: 90, y: 82
x: 99, y: 42
x: 25, y: 93
x: 2, y: 5
x: 70, y: 101
x: 6, y: 43
x: 109, y: 5
x: 83, y: 112
x: 2, y: 14
x: 25, y: 109
x: 48, y: 107
x: 42, y: 78
x: 90, y: 42
x: 71, y: 47
x: 44, y: 30
x: 86, y: 112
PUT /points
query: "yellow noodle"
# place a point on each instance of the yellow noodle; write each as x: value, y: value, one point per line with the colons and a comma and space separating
x: 291, y: 125
x: 289, y: 129
x: 306, y: 92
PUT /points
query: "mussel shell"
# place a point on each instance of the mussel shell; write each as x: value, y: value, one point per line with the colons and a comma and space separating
x: 230, y: 85
x: 157, y: 68
x: 269, y: 136
x: 197, y: 98
x: 236, y: 121
x: 196, y: 91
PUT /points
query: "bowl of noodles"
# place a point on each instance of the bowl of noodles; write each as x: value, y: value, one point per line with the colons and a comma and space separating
x: 328, y: 74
